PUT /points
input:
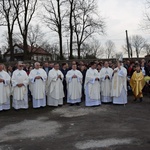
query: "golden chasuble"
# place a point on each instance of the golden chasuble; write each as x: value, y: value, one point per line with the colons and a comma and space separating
x: 137, y: 83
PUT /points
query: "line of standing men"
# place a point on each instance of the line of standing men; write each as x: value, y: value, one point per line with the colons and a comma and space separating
x: 105, y: 86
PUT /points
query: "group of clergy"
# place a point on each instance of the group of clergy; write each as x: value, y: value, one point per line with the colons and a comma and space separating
x: 107, y: 86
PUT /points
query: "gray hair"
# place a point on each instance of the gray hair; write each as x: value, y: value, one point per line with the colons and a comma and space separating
x: 36, y: 63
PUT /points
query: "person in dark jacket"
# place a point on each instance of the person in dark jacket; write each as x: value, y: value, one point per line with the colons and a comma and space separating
x: 46, y: 67
x: 147, y: 71
x: 64, y: 70
x: 83, y: 71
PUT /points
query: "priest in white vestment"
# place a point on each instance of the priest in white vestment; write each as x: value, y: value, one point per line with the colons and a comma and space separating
x: 106, y: 77
x: 55, y: 92
x: 74, y: 85
x: 38, y: 77
x: 119, y: 85
x: 4, y: 89
x: 92, y: 86
x: 20, y: 82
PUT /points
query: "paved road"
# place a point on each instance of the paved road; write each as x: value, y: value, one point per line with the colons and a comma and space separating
x: 108, y: 127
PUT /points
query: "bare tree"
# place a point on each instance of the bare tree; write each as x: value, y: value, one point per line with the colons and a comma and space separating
x: 54, y: 18
x: 109, y: 49
x: 35, y: 35
x: 35, y: 38
x: 8, y: 18
x: 145, y: 24
x: 92, y: 49
x: 52, y: 49
x: 138, y: 43
x: 97, y: 48
x: 72, y: 4
x: 25, y: 9
x: 147, y: 49
x: 85, y: 25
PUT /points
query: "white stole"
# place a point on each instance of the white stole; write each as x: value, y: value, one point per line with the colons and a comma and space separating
x: 4, y: 87
x: 18, y: 77
x: 119, y: 81
x: 37, y: 86
x: 74, y: 85
x: 54, y: 84
x: 92, y: 84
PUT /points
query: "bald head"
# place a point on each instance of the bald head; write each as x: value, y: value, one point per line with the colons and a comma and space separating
x: 37, y: 65
x: 20, y: 65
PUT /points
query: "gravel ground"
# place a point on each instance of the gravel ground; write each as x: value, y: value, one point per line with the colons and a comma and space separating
x: 108, y: 127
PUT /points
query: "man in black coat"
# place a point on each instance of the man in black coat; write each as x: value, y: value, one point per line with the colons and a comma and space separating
x: 46, y: 67
x: 64, y: 70
x: 147, y: 69
x: 83, y: 71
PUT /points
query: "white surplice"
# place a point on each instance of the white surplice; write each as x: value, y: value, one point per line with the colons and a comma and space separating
x: 92, y: 88
x: 106, y: 84
x: 4, y: 91
x: 20, y: 96
x: 55, y: 91
x: 119, y: 86
x: 37, y: 87
x: 74, y: 86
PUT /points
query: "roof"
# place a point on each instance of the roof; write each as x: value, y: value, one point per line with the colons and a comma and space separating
x: 37, y: 50
x: 34, y: 50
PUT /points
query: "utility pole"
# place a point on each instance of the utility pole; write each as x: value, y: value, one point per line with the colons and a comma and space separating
x: 128, y: 45
x: 131, y: 51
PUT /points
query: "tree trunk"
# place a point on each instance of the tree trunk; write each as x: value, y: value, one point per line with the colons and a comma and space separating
x: 11, y: 47
x: 79, y: 51
x: 71, y: 41
x: 137, y: 53
x: 60, y: 30
x: 60, y: 45
x: 25, y: 47
x: 71, y: 29
x: 10, y: 41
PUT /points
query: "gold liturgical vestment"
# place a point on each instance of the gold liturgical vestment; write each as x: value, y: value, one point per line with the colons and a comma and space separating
x: 137, y: 83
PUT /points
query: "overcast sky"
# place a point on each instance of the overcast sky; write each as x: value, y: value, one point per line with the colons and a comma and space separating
x: 120, y: 15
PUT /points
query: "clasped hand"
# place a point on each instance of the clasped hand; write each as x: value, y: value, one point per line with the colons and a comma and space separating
x: 59, y: 76
x: 74, y: 76
x: 96, y: 79
x: 20, y: 84
x: 115, y: 71
x: 107, y: 77
x: 38, y: 77
x: 1, y: 80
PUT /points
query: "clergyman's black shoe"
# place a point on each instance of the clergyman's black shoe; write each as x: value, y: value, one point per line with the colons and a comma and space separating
x: 141, y: 99
x: 71, y: 104
x: 78, y: 104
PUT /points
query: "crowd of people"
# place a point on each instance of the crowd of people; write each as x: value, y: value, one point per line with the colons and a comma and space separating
x: 54, y: 84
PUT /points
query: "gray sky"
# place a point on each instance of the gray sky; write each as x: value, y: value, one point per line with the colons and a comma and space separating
x: 120, y: 15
